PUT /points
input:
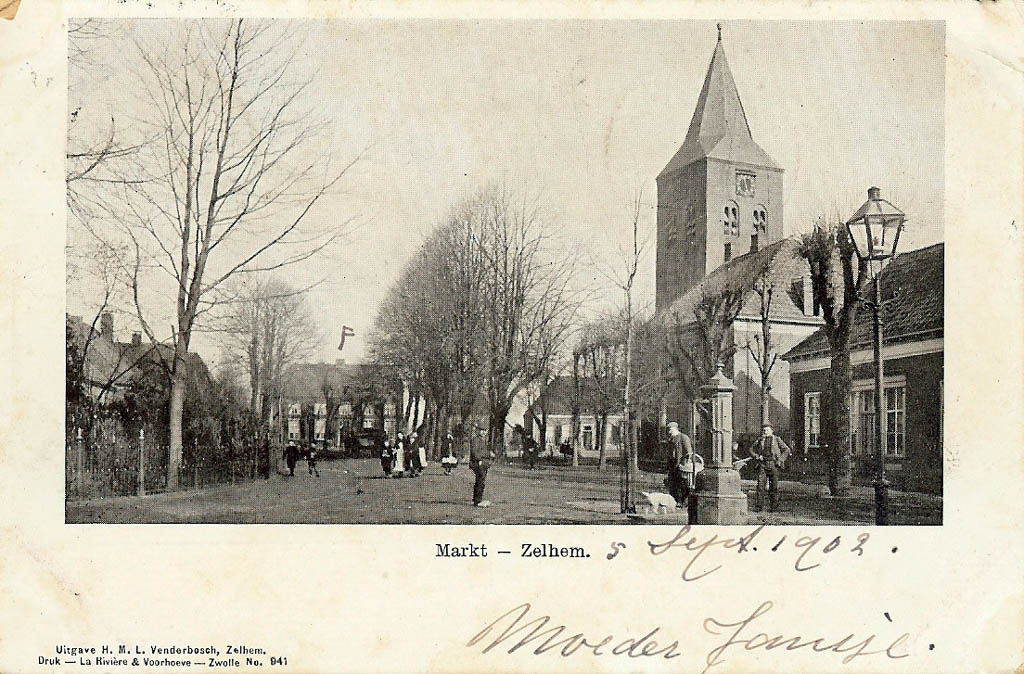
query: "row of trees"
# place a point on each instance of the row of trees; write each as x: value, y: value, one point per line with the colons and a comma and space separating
x: 479, y: 314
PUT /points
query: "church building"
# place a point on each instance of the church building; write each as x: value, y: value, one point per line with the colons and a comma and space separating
x: 720, y: 228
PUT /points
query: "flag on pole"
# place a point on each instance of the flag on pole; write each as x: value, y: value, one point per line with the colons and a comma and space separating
x: 345, y: 332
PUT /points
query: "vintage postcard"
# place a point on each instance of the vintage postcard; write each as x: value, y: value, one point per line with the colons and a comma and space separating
x: 670, y: 281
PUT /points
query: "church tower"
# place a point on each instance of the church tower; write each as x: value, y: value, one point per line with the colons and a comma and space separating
x: 721, y: 194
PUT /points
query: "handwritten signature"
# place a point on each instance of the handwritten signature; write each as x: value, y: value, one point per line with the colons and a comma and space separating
x: 514, y: 630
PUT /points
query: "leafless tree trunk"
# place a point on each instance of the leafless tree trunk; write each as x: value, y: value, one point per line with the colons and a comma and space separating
x: 576, y: 405
x: 762, y: 349
x: 836, y: 279
x: 623, y: 277
x: 269, y: 326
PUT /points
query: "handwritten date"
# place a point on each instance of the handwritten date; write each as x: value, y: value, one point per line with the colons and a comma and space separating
x: 696, y: 568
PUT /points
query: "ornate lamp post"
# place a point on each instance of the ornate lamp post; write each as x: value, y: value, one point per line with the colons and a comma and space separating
x: 875, y: 230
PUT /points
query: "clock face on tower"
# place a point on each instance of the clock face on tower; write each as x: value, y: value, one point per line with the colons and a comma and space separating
x: 745, y: 184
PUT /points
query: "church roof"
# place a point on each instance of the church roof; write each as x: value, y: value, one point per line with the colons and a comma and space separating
x: 719, y: 128
x: 786, y: 270
x: 913, y: 284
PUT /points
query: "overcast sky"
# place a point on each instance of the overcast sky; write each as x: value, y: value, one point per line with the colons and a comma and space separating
x: 587, y: 114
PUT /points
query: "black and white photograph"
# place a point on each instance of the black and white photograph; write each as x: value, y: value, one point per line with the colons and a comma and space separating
x: 505, y: 271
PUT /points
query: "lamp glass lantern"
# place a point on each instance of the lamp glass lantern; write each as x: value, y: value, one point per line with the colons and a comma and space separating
x: 875, y: 228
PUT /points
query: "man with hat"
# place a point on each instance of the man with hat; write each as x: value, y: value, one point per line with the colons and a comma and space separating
x: 771, y: 453
x: 677, y: 482
x: 480, y: 461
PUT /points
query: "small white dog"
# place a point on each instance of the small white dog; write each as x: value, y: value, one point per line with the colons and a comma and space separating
x: 656, y: 502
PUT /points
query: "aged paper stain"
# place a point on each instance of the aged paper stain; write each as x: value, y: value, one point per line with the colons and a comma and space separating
x: 8, y: 8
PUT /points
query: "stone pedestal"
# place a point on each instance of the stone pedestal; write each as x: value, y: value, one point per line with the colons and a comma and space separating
x: 720, y: 500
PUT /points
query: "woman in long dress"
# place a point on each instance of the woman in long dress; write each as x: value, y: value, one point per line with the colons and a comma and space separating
x: 399, y: 456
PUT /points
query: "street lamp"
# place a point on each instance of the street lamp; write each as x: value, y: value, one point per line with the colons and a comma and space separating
x: 875, y: 230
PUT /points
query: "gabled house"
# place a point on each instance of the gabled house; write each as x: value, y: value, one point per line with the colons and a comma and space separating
x: 109, y: 366
x: 912, y: 352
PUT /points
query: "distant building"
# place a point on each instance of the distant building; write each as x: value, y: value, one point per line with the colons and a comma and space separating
x: 913, y: 357
x: 554, y: 408
x: 320, y: 400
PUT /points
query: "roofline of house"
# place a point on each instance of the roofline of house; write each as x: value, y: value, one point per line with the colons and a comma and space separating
x: 807, y: 320
x: 794, y: 354
x: 865, y: 354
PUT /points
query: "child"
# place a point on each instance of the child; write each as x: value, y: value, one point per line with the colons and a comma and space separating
x: 311, y: 460
x: 398, y: 469
x: 385, y: 458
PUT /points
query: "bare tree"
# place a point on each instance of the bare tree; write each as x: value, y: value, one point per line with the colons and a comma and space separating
x: 761, y: 347
x: 602, y: 352
x: 539, y: 400
x: 269, y: 327
x: 837, y: 276
x: 529, y: 303
x: 481, y: 310
x: 624, y: 278
x: 225, y: 186
x: 427, y: 331
x: 696, y: 343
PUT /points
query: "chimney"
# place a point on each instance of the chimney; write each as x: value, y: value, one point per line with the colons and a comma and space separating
x: 808, y: 289
x: 107, y: 325
x: 339, y: 361
x: 136, y: 339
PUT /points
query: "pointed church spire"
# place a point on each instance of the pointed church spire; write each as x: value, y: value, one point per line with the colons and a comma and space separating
x: 719, y: 127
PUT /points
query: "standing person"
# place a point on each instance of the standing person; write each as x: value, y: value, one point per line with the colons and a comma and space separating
x: 530, y: 447
x: 421, y: 454
x: 399, y: 449
x: 771, y: 452
x: 448, y: 459
x: 480, y: 457
x: 385, y: 457
x: 565, y: 449
x: 291, y: 456
x: 681, y: 454
x: 311, y: 460
x: 413, y: 455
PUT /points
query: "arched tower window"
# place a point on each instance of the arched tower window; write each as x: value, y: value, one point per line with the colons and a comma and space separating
x: 731, y: 219
x: 760, y: 217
